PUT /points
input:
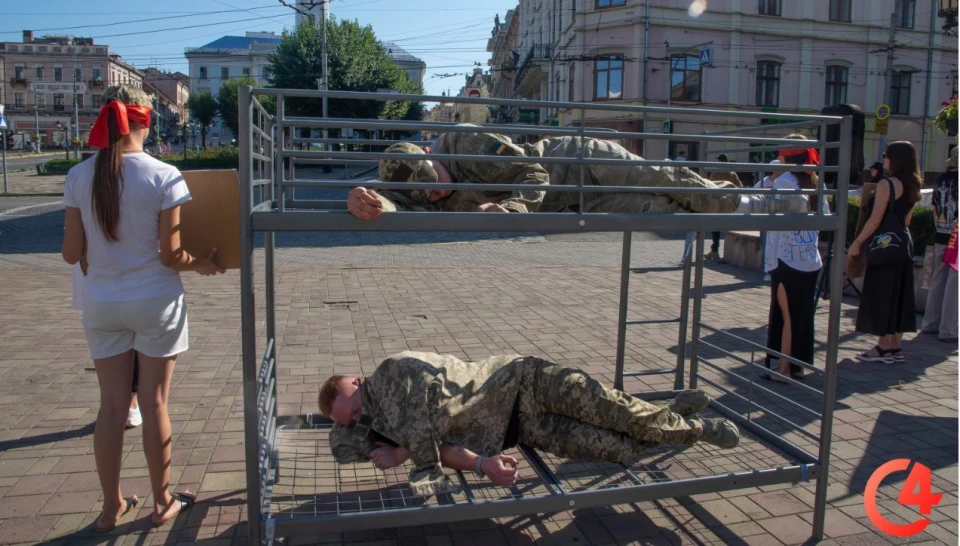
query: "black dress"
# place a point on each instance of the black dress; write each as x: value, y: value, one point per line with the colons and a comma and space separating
x: 887, y: 301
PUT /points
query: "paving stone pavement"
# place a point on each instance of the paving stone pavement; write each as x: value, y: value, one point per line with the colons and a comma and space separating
x: 344, y: 303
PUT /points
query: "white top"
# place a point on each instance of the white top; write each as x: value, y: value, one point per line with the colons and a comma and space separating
x: 128, y: 269
x: 797, y: 249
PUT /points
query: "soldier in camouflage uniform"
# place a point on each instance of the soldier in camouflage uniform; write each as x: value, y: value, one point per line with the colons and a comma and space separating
x: 437, y: 409
x: 559, y: 174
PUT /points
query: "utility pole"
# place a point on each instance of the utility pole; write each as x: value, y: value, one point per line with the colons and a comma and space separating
x: 36, y: 115
x: 323, y: 46
x: 76, y: 109
x: 888, y: 94
x: 926, y: 96
x: 4, y: 135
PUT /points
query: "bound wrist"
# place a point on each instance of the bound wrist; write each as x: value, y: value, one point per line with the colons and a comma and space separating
x: 479, y: 466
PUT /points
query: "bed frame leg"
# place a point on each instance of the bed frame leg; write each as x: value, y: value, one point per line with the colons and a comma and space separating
x: 624, y: 302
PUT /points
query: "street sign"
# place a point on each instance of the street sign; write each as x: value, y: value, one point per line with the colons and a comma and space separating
x: 668, y: 126
x: 881, y: 127
x: 58, y: 87
x: 883, y: 112
x: 3, y: 123
x: 706, y: 57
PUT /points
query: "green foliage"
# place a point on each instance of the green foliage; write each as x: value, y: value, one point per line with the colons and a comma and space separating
x: 228, y: 99
x: 208, y: 158
x: 922, y: 226
x: 356, y: 62
x: 203, y: 109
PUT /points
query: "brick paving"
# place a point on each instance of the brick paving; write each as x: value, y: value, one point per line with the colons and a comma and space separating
x: 344, y: 303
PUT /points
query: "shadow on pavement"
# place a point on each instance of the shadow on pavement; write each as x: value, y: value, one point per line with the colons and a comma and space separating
x: 50, y: 438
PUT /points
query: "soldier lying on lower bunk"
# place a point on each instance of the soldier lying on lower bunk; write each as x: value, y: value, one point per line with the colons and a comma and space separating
x: 367, y: 204
x: 437, y: 410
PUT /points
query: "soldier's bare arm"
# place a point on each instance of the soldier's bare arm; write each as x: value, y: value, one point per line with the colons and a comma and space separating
x: 500, y: 469
x: 364, y: 204
x: 388, y: 456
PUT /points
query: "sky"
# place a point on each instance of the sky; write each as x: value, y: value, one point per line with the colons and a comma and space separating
x: 450, y: 38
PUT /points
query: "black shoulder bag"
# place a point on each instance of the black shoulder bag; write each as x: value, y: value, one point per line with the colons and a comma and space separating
x: 891, y: 243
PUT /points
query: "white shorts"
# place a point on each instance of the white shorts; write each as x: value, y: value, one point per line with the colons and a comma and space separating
x: 155, y: 327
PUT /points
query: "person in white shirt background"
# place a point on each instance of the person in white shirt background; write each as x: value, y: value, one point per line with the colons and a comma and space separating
x: 134, y: 419
x: 792, y: 258
x: 123, y: 212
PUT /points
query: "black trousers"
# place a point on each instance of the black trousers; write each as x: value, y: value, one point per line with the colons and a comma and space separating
x: 800, y: 287
x: 715, y: 247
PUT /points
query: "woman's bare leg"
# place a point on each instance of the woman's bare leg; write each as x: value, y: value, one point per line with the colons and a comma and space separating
x: 153, y: 391
x: 786, y: 337
x: 114, y: 375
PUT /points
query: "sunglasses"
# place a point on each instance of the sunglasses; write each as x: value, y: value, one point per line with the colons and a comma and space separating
x: 884, y: 155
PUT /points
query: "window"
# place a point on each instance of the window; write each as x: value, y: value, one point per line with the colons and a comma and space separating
x: 768, y: 83
x: 203, y: 72
x: 906, y: 9
x: 570, y: 84
x: 96, y: 74
x: 80, y: 102
x: 18, y: 72
x: 77, y: 74
x: 840, y: 10
x: 900, y: 92
x: 40, y: 99
x: 224, y: 73
x: 58, y: 105
x: 556, y: 87
x: 836, y: 85
x: 608, y: 78
x: 19, y: 100
x: 685, y: 73
x: 96, y: 101
x: 770, y: 7
x: 610, y: 3
x: 38, y: 72
x: 58, y: 74
x: 953, y: 85
x: 246, y: 71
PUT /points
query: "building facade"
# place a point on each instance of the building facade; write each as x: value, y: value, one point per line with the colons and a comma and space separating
x: 229, y: 57
x: 762, y: 55
x: 171, y: 92
x: 476, y: 86
x: 50, y: 82
x: 412, y: 65
x: 503, y: 62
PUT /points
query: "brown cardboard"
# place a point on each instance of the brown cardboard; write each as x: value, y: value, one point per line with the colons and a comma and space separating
x: 211, y: 219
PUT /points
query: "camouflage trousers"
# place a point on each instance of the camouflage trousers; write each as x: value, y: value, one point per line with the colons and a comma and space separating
x: 565, y: 412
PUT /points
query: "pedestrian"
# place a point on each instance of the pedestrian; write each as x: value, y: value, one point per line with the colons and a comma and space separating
x: 134, y: 419
x: 766, y: 183
x: 940, y: 315
x: 728, y: 176
x: 876, y: 172
x: 792, y: 259
x: 682, y: 156
x: 123, y: 212
x: 887, y: 307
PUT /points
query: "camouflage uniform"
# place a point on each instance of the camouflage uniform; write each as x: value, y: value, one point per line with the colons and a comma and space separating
x: 568, y: 174
x: 486, y: 172
x: 420, y: 400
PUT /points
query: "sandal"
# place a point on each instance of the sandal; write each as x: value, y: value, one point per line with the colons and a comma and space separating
x: 897, y: 356
x: 774, y: 378
x: 131, y: 503
x: 881, y: 356
x: 186, y: 500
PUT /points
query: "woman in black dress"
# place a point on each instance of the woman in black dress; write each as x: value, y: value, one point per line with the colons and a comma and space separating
x: 887, y: 305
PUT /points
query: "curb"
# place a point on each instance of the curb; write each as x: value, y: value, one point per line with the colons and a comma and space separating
x: 7, y: 195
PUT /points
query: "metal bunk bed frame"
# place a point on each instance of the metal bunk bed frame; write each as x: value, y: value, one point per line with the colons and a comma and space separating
x: 268, y: 205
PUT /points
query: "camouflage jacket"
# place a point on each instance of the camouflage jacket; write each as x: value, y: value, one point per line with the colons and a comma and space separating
x: 727, y: 176
x: 421, y: 400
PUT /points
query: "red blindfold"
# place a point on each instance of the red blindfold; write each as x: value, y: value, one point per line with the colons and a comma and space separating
x: 124, y: 113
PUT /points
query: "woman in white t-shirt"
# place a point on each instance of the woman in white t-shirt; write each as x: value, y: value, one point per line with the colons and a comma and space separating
x: 123, y: 212
x: 792, y: 259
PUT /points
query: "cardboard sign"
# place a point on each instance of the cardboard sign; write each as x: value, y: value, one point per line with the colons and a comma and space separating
x: 211, y: 219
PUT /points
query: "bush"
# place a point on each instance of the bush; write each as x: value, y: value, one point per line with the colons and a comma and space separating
x: 210, y: 158
x: 922, y: 226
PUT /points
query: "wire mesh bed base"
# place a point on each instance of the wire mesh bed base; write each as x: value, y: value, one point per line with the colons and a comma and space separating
x: 312, y: 493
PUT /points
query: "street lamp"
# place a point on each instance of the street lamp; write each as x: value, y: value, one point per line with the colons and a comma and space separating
x: 66, y: 148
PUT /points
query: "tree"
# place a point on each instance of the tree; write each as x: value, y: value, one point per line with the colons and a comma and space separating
x: 356, y: 62
x: 228, y: 101
x: 203, y: 108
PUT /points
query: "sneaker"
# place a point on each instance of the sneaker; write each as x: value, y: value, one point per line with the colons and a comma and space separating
x: 720, y: 432
x: 712, y: 255
x: 689, y: 402
x: 134, y: 419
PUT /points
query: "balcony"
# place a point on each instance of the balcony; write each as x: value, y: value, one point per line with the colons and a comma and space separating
x: 22, y: 82
x: 95, y: 83
x: 530, y: 74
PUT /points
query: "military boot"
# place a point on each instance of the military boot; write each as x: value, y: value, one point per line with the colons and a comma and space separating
x: 720, y: 432
x: 689, y: 402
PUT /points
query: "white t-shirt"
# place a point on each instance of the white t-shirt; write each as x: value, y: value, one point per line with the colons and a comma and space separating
x: 797, y: 249
x: 79, y: 289
x: 128, y: 269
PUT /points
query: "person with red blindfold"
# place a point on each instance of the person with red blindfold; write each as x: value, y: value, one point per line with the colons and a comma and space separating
x: 793, y: 263
x: 123, y: 221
